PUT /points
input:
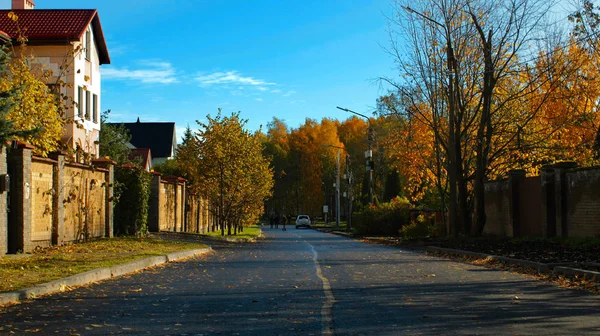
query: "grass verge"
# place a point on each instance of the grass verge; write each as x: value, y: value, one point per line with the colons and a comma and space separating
x: 249, y: 233
x: 26, y: 270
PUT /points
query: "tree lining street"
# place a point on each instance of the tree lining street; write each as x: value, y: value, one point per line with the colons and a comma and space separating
x: 272, y: 288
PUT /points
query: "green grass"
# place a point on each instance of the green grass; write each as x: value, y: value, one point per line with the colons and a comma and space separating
x: 249, y: 233
x: 22, y: 271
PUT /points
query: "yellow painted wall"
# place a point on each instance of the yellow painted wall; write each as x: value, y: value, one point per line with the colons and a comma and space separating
x: 41, y: 200
x: 84, y: 209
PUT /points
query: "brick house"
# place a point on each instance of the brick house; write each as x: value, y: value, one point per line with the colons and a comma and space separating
x: 71, y: 44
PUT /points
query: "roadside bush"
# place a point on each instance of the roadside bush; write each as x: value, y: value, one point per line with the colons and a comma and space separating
x: 382, y: 219
x: 423, y: 227
x: 131, y: 212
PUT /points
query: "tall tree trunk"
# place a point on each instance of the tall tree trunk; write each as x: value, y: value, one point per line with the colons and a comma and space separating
x: 222, y: 210
x: 453, y: 157
x: 484, y: 132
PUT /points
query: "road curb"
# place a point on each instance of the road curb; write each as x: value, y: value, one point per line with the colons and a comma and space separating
x: 577, y: 272
x: 539, y: 267
x: 95, y: 275
x: 566, y: 269
x: 135, y: 265
x: 458, y: 252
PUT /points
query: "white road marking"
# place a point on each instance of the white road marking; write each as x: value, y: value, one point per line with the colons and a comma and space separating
x: 327, y: 309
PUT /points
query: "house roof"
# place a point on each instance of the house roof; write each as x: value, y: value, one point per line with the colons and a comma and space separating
x: 142, y: 153
x: 55, y: 26
x: 158, y: 136
x: 4, y: 37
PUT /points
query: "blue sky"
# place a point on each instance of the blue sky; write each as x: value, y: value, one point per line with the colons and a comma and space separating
x: 179, y: 60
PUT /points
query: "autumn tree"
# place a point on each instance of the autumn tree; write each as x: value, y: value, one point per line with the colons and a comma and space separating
x: 462, y: 77
x: 8, y: 131
x: 353, y: 133
x: 113, y: 140
x: 313, y: 163
x: 186, y: 154
x: 231, y: 170
x: 276, y: 147
x: 33, y: 106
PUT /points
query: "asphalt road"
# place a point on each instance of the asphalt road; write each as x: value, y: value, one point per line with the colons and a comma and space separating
x: 304, y: 282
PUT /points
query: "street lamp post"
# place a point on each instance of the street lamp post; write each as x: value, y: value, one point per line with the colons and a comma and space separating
x: 337, y: 190
x: 349, y: 176
x: 369, y: 152
x: 453, y: 133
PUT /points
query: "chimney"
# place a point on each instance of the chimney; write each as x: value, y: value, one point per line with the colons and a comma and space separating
x: 22, y: 4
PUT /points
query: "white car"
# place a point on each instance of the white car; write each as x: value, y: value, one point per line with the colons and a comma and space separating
x: 303, y: 221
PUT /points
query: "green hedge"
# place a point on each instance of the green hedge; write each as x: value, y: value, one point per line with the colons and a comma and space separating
x: 131, y: 211
x: 383, y: 218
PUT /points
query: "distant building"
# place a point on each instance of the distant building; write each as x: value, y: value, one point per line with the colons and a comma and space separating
x: 141, y: 156
x: 158, y: 137
x: 53, y: 36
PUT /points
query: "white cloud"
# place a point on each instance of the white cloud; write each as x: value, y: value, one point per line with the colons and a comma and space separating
x: 230, y: 77
x: 259, y: 99
x: 276, y: 91
x: 262, y: 88
x: 289, y: 93
x: 152, y: 72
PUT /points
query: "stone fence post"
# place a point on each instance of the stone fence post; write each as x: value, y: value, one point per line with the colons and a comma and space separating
x: 554, y: 199
x: 109, y: 180
x: 154, y: 206
x: 516, y: 178
x: 19, y: 169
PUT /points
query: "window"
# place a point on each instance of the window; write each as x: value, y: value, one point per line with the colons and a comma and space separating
x: 95, y: 108
x: 80, y: 102
x: 88, y: 45
x: 87, y: 105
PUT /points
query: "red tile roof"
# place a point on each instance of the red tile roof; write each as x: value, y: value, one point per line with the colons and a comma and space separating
x: 141, y: 153
x: 55, y: 26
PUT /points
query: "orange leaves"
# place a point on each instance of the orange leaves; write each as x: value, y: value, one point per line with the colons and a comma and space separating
x: 13, y: 16
x: 565, y: 124
x: 411, y: 149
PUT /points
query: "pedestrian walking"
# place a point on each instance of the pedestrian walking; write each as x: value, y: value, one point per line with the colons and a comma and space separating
x: 277, y: 221
x: 285, y: 221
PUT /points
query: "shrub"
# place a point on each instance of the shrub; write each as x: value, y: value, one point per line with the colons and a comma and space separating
x: 131, y: 211
x: 421, y: 228
x: 382, y: 219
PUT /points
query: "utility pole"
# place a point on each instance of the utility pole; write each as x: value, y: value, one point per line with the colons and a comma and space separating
x: 368, y: 153
x: 454, y: 167
x: 337, y: 190
x: 349, y: 176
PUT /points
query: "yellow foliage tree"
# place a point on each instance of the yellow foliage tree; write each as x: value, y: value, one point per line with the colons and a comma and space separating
x: 33, y: 106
